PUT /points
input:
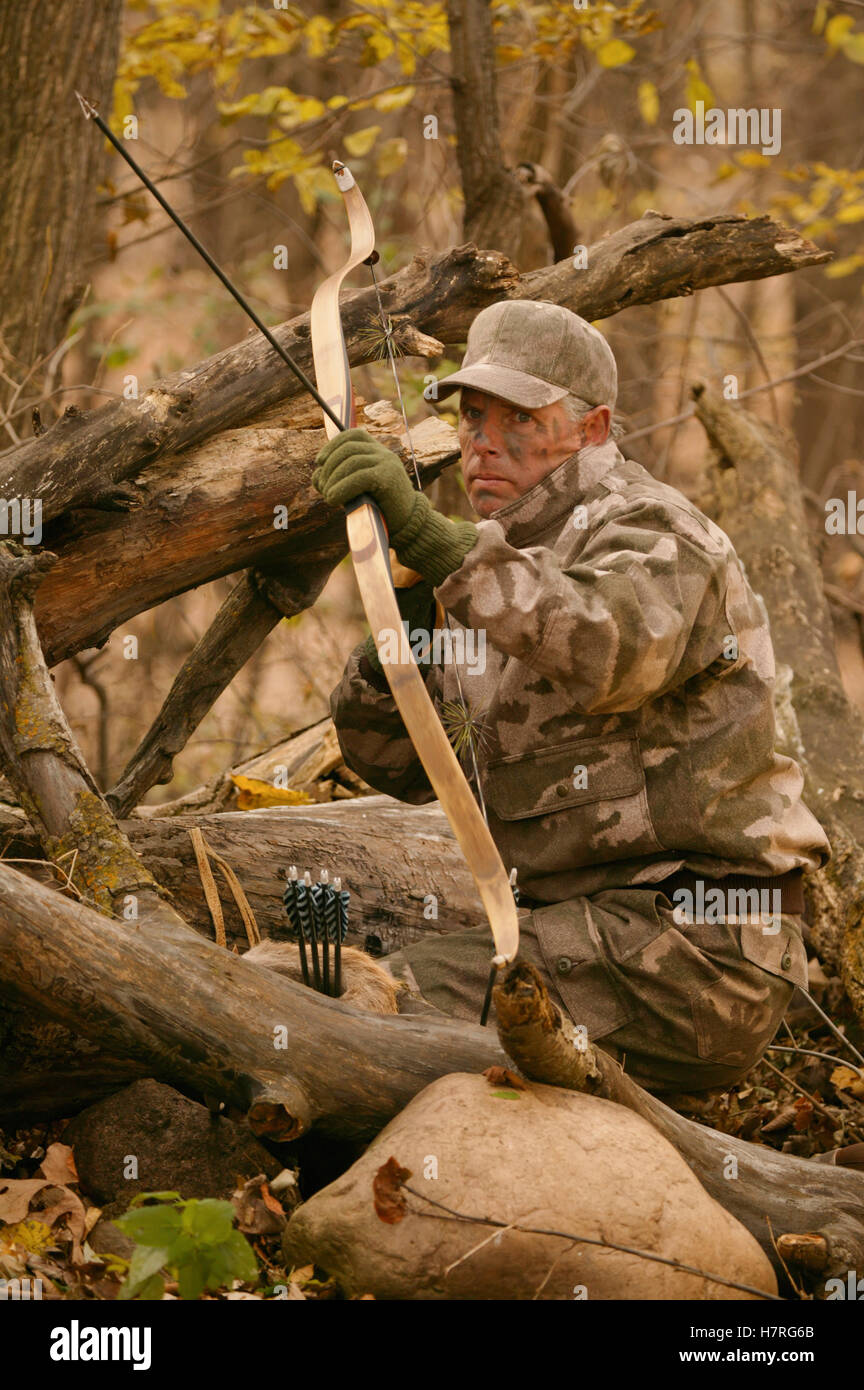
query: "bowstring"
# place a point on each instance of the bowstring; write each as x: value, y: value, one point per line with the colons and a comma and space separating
x: 388, y: 338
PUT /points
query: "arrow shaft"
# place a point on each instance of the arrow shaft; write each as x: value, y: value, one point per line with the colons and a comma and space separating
x: 92, y: 114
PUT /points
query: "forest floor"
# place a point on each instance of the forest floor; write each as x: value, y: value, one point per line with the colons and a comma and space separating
x: 792, y: 1101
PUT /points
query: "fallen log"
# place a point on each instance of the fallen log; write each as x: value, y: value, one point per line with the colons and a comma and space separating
x: 212, y: 1025
x: 772, y: 1194
x: 199, y: 516
x: 400, y: 863
x: 87, y: 456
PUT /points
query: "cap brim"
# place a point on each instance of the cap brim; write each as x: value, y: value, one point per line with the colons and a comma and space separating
x: 518, y: 388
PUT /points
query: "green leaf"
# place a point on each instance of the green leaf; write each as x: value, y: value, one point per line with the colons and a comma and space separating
x: 154, y: 1226
x: 144, y: 1267
x: 208, y: 1220
x: 143, y: 1197
x: 192, y: 1277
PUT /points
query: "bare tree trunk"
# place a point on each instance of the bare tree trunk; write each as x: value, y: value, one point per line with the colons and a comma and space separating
x: 756, y: 498
x: 494, y: 201
x: 50, y: 164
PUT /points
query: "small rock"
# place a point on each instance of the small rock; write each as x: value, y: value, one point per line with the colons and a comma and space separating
x: 150, y: 1138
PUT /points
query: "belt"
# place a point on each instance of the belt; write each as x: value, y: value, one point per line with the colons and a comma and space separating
x: 790, y: 887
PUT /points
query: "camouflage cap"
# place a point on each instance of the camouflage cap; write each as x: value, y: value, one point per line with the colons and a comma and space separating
x: 532, y: 354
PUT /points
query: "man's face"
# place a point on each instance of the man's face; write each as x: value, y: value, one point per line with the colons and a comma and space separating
x: 507, y: 450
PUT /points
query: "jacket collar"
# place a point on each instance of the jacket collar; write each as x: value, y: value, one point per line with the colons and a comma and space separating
x: 558, y: 493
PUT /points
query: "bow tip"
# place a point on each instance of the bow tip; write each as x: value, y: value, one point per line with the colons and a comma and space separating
x: 343, y: 176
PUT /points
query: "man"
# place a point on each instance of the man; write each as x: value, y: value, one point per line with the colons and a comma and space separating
x: 626, y: 728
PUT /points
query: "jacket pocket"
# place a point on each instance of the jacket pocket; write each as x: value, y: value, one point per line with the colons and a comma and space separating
x: 776, y: 947
x: 580, y: 798
x: 576, y: 961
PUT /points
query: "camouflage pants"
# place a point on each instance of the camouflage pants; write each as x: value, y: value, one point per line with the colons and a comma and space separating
x: 684, y: 1006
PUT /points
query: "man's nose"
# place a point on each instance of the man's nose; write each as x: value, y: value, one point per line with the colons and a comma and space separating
x: 486, y: 440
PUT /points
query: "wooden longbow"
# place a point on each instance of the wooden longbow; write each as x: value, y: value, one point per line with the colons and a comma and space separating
x: 367, y: 538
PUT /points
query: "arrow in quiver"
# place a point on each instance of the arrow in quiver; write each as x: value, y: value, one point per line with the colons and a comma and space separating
x: 318, y: 917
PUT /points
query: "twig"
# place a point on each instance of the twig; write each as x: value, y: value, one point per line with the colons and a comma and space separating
x: 496, y: 1235
x: 585, y: 1240
x: 809, y: 1052
x: 799, y: 1292
x: 752, y: 391
x: 817, y: 1104
x: 753, y: 341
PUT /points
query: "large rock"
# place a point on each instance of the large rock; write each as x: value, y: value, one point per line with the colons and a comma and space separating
x: 542, y: 1157
x: 150, y: 1138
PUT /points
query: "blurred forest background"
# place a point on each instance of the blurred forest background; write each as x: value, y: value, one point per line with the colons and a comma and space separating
x: 238, y: 111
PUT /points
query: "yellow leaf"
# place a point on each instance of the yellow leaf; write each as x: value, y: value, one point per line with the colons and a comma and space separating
x: 317, y: 34
x: 726, y: 170
x: 508, y: 53
x: 820, y: 14
x: 697, y: 87
x: 853, y: 47
x: 395, y: 99
x: 391, y: 156
x: 838, y: 269
x: 843, y: 1078
x: 837, y: 28
x: 752, y: 159
x: 614, y: 53
x: 379, y: 46
x: 361, y: 141
x: 649, y: 102
x: 253, y: 794
x: 819, y: 227
x: 854, y: 212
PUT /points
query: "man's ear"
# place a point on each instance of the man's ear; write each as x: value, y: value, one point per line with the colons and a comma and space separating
x: 596, y: 423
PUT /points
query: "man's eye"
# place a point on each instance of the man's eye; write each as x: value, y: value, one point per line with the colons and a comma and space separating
x: 523, y: 418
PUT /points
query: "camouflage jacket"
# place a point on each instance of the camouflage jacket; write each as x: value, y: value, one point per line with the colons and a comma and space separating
x: 626, y: 701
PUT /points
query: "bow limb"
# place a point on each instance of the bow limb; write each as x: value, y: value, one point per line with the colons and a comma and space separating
x: 367, y: 538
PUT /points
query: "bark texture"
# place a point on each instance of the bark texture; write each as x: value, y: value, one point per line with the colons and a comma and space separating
x: 756, y: 497
x: 50, y: 161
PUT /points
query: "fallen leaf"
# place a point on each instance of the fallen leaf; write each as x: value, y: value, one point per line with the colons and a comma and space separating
x: 258, y: 1212
x: 803, y: 1114
x: 845, y: 1079
x: 58, y: 1165
x: 784, y: 1120
x: 16, y: 1194
x: 387, y: 1187
x: 253, y: 794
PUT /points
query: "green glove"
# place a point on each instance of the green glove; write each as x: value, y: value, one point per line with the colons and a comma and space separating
x: 417, y: 607
x: 424, y: 539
